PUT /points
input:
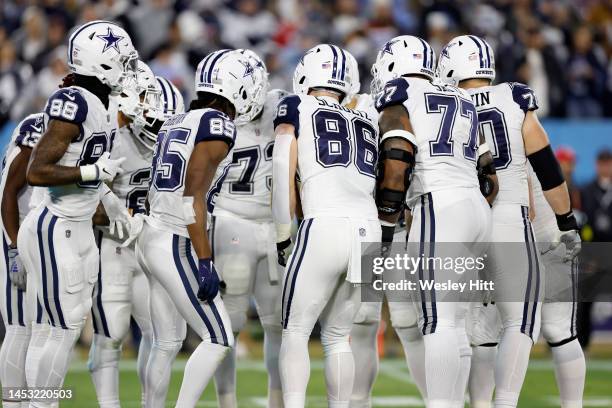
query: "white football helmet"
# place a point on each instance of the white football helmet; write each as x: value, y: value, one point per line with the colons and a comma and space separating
x: 103, y: 50
x: 326, y: 66
x: 261, y: 86
x: 403, y: 55
x: 171, y: 103
x: 230, y: 74
x: 143, y: 96
x: 466, y: 57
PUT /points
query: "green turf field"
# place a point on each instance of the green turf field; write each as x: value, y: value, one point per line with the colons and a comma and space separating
x: 393, y: 387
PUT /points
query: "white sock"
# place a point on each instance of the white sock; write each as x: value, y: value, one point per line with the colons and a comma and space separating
x: 414, y: 352
x: 40, y: 333
x: 225, y: 380
x: 12, y: 361
x: 365, y: 354
x: 199, y: 369
x: 144, y: 350
x: 103, y: 365
x: 159, y: 368
x: 272, y: 344
x: 570, y: 372
x: 442, y: 366
x: 465, y: 353
x: 511, y: 367
x: 294, y: 364
x: 54, y: 361
x: 339, y: 370
x: 482, y: 376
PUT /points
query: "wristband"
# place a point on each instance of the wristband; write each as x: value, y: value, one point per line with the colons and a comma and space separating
x: 89, y: 172
x: 567, y: 221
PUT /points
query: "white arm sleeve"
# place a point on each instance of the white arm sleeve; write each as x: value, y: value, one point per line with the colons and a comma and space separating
x: 281, y: 206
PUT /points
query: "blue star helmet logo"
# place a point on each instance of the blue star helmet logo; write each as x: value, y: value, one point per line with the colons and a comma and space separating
x: 388, y: 45
x: 110, y: 40
x: 248, y: 69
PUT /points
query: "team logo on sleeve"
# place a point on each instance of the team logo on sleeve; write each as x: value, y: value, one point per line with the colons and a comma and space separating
x: 110, y: 40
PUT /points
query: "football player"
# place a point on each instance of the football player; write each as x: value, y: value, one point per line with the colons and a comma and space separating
x: 72, y: 161
x: 173, y: 247
x: 506, y: 116
x: 389, y: 65
x: 242, y: 235
x: 429, y: 147
x: 21, y: 312
x: 334, y: 150
x: 122, y: 289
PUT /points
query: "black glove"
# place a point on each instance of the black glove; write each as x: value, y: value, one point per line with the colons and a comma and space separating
x: 486, y: 184
x: 387, y: 239
x: 283, y: 250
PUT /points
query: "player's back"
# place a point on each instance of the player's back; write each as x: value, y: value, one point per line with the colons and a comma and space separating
x: 175, y: 143
x: 501, y: 112
x: 132, y: 184
x: 26, y: 134
x: 337, y: 154
x: 444, y: 123
x: 244, y: 179
x: 97, y: 124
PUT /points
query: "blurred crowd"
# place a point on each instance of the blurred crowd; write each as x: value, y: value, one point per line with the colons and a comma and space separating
x: 560, y: 48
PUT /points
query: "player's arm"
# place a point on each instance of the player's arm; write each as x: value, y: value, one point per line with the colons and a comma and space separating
x: 487, y: 177
x: 532, y: 212
x: 397, y: 150
x: 15, y: 181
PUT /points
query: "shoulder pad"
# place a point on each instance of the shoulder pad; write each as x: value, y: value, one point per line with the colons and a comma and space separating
x: 288, y: 112
x: 523, y: 96
x: 68, y: 105
x: 30, y: 130
x: 394, y: 93
x: 216, y: 125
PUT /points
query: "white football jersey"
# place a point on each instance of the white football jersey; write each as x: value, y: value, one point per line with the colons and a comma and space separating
x: 132, y: 185
x: 98, y: 125
x: 545, y: 222
x: 501, y: 111
x: 175, y: 143
x: 26, y: 134
x: 244, y: 179
x: 444, y: 124
x: 337, y: 154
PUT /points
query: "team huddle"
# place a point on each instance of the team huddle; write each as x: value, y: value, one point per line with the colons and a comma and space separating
x: 119, y: 201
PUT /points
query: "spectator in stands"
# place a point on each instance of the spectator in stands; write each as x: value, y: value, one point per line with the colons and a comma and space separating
x: 567, y: 160
x: 13, y: 74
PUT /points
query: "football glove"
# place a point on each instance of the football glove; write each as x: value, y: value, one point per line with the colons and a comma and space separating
x: 17, y: 272
x: 105, y: 169
x: 283, y: 250
x: 136, y: 223
x: 117, y: 214
x: 208, y: 280
x: 387, y: 239
x: 568, y: 235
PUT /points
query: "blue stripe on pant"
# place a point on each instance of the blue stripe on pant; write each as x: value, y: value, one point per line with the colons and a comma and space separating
x: 292, y: 272
x: 428, y: 323
x: 100, y: 324
x: 191, y: 294
x: 531, y: 301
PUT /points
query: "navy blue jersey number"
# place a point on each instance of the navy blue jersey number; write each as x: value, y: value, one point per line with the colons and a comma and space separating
x: 333, y: 140
x: 137, y: 197
x: 447, y: 106
x: 248, y: 158
x: 93, y: 148
x: 492, y: 124
x: 169, y: 164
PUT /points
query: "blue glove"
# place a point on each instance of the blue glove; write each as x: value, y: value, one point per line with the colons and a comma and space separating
x: 208, y: 280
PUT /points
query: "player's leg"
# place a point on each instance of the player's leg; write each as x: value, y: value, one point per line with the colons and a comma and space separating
x: 17, y: 335
x: 559, y: 330
x: 312, y: 275
x: 111, y: 320
x: 268, y: 302
x: 142, y: 316
x: 516, y: 272
x: 465, y: 355
x: 235, y: 258
x: 405, y: 322
x: 365, y: 352
x: 154, y: 249
x: 66, y: 288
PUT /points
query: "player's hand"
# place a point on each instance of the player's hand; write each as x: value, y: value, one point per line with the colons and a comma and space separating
x: 117, y: 214
x: 283, y: 250
x: 17, y: 272
x: 105, y: 169
x: 568, y: 235
x: 208, y: 280
x: 135, y: 227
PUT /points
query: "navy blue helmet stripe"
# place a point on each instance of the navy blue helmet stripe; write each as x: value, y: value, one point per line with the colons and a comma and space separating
x: 165, y: 95
x: 479, y: 50
x: 343, y: 72
x: 209, y: 71
x: 488, y: 54
x: 335, y: 62
x: 425, y: 53
x: 204, y: 66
